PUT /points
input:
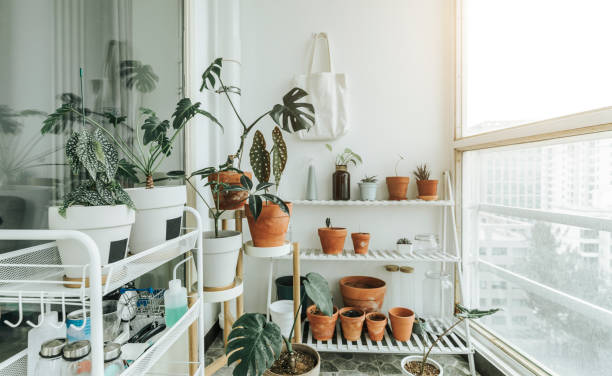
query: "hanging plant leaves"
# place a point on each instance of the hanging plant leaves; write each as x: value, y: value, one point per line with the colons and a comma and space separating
x: 135, y: 74
x: 255, y: 342
x: 279, y: 155
x: 317, y: 290
x: 260, y: 158
x: 292, y: 115
x: 212, y: 74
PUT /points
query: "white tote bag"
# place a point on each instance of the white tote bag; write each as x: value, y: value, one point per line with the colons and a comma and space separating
x: 327, y: 93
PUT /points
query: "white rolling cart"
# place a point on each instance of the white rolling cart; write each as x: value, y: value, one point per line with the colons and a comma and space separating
x: 35, y: 275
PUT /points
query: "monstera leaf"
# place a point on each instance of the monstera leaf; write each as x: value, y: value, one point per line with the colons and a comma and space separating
x: 211, y: 74
x: 317, y: 290
x: 185, y: 110
x: 135, y: 74
x: 294, y: 118
x: 260, y: 158
x: 255, y: 342
x: 279, y: 155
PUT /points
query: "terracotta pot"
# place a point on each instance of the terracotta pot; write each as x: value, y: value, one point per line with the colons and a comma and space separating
x: 398, y: 187
x: 303, y: 349
x: 361, y: 241
x: 366, y: 293
x: 332, y: 239
x: 322, y: 326
x: 401, y: 322
x: 230, y: 200
x: 376, y: 323
x: 351, y: 326
x: 428, y: 189
x: 271, y: 226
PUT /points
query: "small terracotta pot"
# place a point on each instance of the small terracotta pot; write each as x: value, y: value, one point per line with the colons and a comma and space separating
x: 271, y: 226
x: 366, y: 293
x: 401, y: 322
x: 322, y: 326
x: 361, y: 241
x: 428, y: 189
x: 230, y: 200
x: 351, y: 326
x: 376, y: 323
x: 332, y: 239
x: 398, y: 187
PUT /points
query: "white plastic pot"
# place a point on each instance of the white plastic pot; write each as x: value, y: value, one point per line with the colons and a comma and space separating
x: 220, y: 257
x: 368, y: 191
x: 404, y: 248
x: 159, y: 215
x: 419, y: 358
x: 282, y: 314
x: 109, y: 227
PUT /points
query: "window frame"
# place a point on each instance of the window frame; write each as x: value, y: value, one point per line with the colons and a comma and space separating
x: 585, y: 123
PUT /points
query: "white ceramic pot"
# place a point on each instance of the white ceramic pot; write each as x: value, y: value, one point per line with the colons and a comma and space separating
x: 159, y: 215
x: 419, y: 358
x: 368, y: 191
x: 304, y: 349
x: 109, y: 226
x: 282, y: 314
x: 220, y: 257
x: 404, y: 248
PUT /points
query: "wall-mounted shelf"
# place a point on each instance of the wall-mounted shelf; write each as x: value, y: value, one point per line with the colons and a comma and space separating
x: 372, y: 203
x: 311, y: 254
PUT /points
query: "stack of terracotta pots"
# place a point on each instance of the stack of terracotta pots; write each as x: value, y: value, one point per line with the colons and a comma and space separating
x: 365, y: 293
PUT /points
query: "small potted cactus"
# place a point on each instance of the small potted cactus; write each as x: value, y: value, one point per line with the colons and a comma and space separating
x: 404, y: 245
x: 428, y: 189
x: 367, y: 187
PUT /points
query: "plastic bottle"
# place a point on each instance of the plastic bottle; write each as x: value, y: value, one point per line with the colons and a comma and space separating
x: 37, y: 336
x: 50, y: 362
x: 175, y: 301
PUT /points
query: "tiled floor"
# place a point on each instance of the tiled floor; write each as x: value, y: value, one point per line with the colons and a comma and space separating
x: 341, y: 364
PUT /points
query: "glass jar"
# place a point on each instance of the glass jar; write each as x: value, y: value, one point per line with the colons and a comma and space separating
x: 438, y: 295
x: 77, y: 359
x: 341, y: 181
x: 50, y: 361
x: 113, y: 364
x: 426, y: 242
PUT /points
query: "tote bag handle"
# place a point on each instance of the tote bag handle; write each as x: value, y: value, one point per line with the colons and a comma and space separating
x: 316, y: 38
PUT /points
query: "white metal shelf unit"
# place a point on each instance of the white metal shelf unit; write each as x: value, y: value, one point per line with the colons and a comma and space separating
x: 313, y: 254
x: 373, y: 203
x: 51, y: 287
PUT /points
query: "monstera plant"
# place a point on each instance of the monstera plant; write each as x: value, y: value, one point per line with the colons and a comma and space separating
x: 258, y: 344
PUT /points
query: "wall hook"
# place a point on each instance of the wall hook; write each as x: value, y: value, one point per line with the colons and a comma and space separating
x: 42, y: 312
x: 84, y: 310
x: 20, y: 314
x: 63, y: 322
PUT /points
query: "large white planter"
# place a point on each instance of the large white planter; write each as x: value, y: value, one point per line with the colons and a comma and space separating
x: 159, y: 215
x: 282, y: 314
x: 109, y: 227
x: 419, y: 358
x: 220, y: 257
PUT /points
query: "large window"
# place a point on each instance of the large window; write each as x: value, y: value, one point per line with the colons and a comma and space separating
x: 536, y: 200
x: 527, y: 60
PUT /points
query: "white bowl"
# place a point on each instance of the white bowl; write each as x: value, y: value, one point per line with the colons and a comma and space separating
x: 419, y: 358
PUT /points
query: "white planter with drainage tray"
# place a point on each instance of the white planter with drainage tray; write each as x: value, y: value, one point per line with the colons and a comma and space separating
x: 220, y: 257
x: 109, y: 226
x: 419, y: 358
x: 159, y: 215
x: 282, y: 314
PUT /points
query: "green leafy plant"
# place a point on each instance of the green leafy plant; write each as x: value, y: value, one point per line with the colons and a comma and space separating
x: 422, y: 172
x: 135, y: 74
x: 94, y: 153
x: 260, y: 158
x: 346, y: 157
x: 369, y: 179
x: 403, y: 241
x: 291, y: 115
x: 461, y: 314
x: 257, y: 343
x: 400, y: 159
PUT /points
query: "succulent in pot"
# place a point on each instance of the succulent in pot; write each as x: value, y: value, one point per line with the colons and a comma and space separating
x: 428, y: 189
x: 341, y: 179
x: 99, y: 207
x: 416, y: 365
x: 260, y: 347
x: 404, y: 245
x: 291, y: 116
x: 332, y: 238
x: 398, y: 185
x: 367, y: 188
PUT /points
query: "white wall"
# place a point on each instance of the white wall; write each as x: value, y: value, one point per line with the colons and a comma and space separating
x: 397, y: 55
